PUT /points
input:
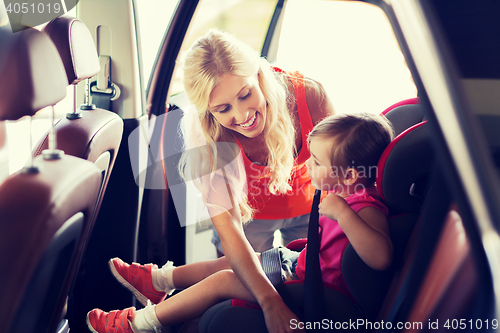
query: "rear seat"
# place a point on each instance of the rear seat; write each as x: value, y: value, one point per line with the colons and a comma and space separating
x: 44, y: 208
x: 94, y: 135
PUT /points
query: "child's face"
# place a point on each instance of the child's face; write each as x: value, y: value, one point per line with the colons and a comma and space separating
x: 319, y: 165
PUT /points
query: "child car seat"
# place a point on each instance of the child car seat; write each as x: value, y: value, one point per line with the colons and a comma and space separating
x: 402, y: 184
x: 404, y: 114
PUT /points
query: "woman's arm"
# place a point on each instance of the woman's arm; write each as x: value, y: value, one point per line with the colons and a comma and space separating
x: 319, y: 104
x: 367, y: 230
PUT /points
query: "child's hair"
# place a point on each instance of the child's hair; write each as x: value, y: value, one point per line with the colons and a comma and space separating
x: 218, y: 53
x: 359, y: 140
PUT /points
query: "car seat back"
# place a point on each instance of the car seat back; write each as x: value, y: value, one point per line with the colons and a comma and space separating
x: 404, y: 114
x: 93, y: 134
x: 402, y: 182
x: 44, y: 206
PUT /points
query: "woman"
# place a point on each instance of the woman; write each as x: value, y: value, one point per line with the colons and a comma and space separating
x: 240, y: 99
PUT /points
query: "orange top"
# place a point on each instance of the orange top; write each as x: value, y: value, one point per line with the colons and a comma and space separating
x: 298, y: 201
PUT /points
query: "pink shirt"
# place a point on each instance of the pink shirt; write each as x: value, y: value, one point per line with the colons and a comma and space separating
x: 333, y: 240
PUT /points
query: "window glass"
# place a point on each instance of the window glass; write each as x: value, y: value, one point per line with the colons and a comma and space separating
x: 153, y: 19
x: 248, y: 20
x: 350, y: 48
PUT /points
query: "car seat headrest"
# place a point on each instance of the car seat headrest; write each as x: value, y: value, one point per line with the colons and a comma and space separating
x: 76, y: 47
x: 31, y: 74
x: 404, y: 114
x: 414, y: 100
x: 403, y: 169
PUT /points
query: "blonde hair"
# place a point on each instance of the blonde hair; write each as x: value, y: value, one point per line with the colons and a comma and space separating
x: 218, y: 53
x: 359, y: 140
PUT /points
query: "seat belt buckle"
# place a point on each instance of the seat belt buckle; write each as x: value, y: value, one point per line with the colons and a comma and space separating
x: 103, y: 84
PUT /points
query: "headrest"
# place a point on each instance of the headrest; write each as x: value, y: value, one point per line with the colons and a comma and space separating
x: 31, y: 72
x: 404, y: 114
x: 76, y: 47
x: 403, y: 169
x: 408, y: 101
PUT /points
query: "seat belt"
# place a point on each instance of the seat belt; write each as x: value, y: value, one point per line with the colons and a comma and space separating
x: 314, y: 298
x: 103, y: 91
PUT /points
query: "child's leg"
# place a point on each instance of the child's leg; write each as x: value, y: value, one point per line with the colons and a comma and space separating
x: 188, y: 304
x: 195, y: 300
x: 190, y: 274
x: 149, y: 282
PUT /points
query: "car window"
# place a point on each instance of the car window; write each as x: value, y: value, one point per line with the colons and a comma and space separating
x: 350, y: 48
x: 248, y: 20
x: 153, y: 17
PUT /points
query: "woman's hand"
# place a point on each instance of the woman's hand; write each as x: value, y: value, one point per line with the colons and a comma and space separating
x: 333, y: 206
x: 279, y: 318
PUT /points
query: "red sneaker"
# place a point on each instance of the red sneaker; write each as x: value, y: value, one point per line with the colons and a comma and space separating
x: 137, y: 278
x: 116, y: 321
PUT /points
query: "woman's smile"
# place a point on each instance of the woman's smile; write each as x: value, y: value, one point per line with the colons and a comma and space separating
x: 250, y: 123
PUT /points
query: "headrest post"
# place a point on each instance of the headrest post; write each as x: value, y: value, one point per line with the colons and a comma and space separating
x: 30, y: 167
x: 87, y: 105
x: 52, y: 153
x: 76, y: 114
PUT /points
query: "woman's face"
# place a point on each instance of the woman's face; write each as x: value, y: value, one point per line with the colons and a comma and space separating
x: 239, y: 105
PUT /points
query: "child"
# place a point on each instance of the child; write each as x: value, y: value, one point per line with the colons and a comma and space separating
x: 344, y: 153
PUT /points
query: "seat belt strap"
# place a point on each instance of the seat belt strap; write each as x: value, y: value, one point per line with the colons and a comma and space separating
x: 314, y: 299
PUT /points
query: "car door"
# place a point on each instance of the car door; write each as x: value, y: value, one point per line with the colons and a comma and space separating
x: 164, y: 233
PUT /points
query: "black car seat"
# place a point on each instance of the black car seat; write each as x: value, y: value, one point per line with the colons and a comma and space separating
x: 402, y: 182
x: 45, y: 207
x: 404, y: 114
x: 93, y: 134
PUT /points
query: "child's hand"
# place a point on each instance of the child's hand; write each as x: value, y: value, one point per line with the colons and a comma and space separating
x: 332, y: 206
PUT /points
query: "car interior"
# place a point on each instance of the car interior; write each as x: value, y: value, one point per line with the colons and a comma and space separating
x: 90, y: 111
